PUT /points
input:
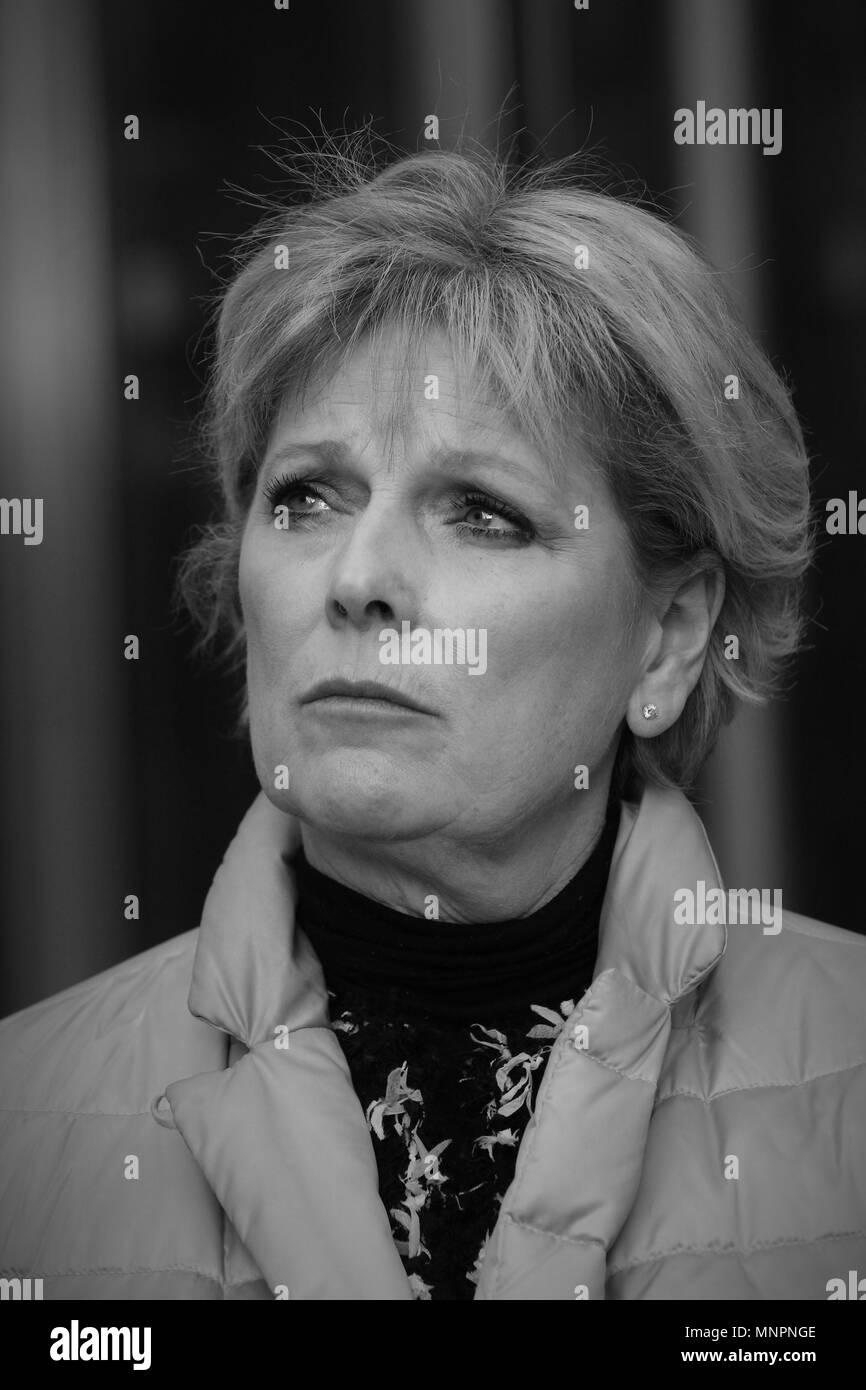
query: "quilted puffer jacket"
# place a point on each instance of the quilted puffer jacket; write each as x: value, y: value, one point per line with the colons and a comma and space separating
x: 699, y: 1132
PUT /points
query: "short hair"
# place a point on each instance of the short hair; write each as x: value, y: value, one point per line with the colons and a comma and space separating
x: 577, y: 311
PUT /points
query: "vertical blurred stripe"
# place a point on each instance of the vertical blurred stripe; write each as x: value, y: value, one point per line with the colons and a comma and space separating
x: 556, y: 116
x: 457, y: 62
x: 711, y: 45
x: 65, y: 793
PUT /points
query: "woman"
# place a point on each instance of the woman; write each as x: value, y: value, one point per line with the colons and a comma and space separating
x: 502, y: 479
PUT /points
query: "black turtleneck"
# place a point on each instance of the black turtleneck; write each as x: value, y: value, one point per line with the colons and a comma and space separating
x: 450, y: 969
x: 440, y: 1008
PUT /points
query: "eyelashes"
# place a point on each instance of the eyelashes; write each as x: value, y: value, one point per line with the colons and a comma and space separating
x: 283, y: 488
x: 521, y: 530
x: 278, y: 488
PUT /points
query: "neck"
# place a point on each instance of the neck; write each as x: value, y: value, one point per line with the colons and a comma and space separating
x: 454, y: 879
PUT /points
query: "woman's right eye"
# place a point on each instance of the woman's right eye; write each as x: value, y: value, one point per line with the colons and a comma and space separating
x: 293, y: 493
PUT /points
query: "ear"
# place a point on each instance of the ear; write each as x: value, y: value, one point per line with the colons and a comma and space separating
x: 676, y: 650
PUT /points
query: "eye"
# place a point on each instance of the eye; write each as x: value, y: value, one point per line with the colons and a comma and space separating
x: 487, y: 510
x: 286, y: 489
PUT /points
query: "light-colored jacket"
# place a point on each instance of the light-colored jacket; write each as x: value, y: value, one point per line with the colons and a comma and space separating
x: 699, y: 1132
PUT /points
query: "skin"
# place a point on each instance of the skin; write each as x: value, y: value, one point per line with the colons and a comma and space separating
x: 474, y: 803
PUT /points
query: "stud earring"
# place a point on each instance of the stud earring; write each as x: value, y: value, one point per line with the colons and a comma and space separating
x: 649, y: 712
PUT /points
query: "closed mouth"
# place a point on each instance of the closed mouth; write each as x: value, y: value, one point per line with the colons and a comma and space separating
x: 367, y: 691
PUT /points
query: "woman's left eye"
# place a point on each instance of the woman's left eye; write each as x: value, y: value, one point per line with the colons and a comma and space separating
x: 489, y: 510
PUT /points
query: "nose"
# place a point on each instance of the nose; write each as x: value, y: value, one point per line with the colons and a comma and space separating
x: 374, y: 580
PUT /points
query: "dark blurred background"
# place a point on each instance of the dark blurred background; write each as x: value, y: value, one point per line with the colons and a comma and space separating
x: 123, y: 777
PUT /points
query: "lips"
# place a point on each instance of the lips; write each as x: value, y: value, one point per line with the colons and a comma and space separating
x: 362, y: 690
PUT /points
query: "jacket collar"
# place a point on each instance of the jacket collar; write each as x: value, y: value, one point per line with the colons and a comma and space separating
x: 253, y: 967
x: 255, y: 976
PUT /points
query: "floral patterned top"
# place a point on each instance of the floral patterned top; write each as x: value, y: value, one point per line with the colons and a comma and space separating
x: 446, y: 1135
x: 446, y: 1029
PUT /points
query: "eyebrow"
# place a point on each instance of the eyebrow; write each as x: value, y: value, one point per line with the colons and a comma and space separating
x: 335, y: 452
x: 457, y: 459
x: 328, y: 450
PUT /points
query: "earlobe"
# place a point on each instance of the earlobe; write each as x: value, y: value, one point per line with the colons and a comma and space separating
x: 645, y: 718
x: 650, y: 715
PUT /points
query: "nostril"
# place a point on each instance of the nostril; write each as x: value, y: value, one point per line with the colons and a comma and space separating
x: 381, y: 610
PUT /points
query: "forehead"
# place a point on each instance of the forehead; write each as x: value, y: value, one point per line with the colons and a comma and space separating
x: 400, y: 392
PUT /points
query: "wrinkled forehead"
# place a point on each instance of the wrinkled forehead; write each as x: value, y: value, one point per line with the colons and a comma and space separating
x: 397, y: 387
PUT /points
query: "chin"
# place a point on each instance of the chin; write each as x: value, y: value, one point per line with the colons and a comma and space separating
x: 360, y: 793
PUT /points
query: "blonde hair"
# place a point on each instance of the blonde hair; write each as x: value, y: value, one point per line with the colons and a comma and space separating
x: 629, y: 354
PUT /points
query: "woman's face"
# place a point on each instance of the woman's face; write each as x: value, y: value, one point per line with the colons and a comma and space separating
x: 436, y: 515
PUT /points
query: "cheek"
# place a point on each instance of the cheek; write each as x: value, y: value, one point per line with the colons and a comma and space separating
x: 573, y: 631
x: 567, y: 666
x: 269, y: 605
x: 249, y: 583
x: 268, y: 647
